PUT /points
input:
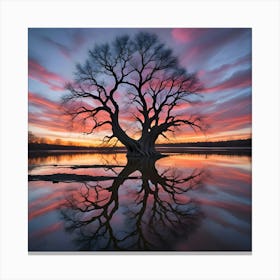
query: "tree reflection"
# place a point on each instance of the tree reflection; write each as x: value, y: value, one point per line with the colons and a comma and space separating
x: 146, y: 211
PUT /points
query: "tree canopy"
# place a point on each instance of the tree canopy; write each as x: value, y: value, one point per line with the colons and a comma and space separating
x: 142, y: 73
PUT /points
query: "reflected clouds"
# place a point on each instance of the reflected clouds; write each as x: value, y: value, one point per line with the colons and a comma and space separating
x: 150, y: 215
x: 95, y: 202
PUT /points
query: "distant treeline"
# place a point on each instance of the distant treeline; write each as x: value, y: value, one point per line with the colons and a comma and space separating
x: 43, y: 146
x: 231, y: 143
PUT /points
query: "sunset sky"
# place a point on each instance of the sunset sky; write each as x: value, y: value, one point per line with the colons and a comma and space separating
x: 220, y: 57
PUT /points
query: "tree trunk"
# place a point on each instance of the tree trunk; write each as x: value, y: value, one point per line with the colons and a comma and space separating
x: 144, y: 147
x: 147, y: 146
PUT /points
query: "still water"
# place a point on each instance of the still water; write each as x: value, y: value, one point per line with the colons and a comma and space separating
x: 182, y: 202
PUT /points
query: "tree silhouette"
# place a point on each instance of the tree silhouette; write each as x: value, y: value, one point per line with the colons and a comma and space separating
x: 155, y: 215
x: 143, y: 72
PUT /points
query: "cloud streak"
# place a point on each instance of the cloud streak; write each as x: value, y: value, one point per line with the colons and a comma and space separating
x: 238, y: 80
x: 202, y: 44
x: 68, y: 50
x: 37, y: 72
x: 213, y: 76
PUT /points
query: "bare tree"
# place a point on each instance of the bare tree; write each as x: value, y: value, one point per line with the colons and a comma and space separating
x: 142, y: 71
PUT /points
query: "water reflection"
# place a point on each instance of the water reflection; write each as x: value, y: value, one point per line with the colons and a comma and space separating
x: 154, y: 213
x: 104, y: 202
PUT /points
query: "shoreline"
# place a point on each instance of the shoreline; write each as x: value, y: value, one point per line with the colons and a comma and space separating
x: 168, y: 150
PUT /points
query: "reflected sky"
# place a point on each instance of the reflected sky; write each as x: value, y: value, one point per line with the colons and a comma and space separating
x: 178, y: 203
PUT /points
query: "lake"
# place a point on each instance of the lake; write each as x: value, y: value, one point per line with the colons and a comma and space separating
x: 104, y: 202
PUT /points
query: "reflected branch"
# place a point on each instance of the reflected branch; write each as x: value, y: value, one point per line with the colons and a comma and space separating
x: 151, y: 215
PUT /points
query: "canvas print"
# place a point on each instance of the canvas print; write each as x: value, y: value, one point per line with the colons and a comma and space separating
x: 139, y: 139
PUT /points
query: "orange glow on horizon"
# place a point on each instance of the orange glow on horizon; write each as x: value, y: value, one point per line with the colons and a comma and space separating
x: 95, y: 142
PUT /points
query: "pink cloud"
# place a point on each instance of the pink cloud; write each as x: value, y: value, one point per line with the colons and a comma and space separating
x: 181, y: 35
x: 37, y: 72
x: 240, y: 61
x: 40, y: 101
x: 185, y: 35
x: 210, y: 77
x: 53, y: 117
x: 234, y: 123
x: 51, y: 114
x: 207, y: 42
x: 57, y: 124
x: 232, y: 107
x: 240, y: 79
x: 234, y: 114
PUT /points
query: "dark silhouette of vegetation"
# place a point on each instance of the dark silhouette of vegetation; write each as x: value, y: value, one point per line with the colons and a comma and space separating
x: 233, y: 147
x: 155, y: 213
x: 141, y: 72
x: 231, y: 143
x: 227, y: 143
